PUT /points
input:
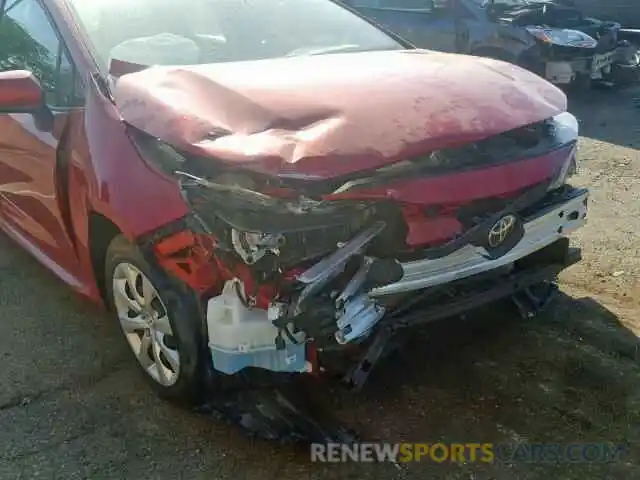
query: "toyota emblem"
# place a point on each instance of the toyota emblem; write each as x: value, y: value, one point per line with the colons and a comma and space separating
x: 501, y: 230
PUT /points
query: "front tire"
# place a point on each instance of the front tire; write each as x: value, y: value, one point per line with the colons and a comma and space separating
x: 161, y: 323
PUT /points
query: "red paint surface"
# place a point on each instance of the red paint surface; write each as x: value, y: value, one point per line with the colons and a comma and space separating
x: 449, y: 192
x: 318, y: 116
x: 329, y: 115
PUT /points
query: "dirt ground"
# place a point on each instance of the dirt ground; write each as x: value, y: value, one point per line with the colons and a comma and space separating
x: 72, y: 404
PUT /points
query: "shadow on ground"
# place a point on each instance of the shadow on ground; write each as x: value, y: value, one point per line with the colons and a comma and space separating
x: 572, y: 375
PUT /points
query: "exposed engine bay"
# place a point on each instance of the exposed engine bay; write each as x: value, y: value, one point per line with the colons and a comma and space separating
x: 296, y: 268
x: 312, y: 235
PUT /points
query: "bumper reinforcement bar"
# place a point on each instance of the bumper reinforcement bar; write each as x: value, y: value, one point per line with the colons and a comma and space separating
x: 517, y: 286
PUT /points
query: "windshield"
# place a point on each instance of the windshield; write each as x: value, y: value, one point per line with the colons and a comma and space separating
x: 170, y: 32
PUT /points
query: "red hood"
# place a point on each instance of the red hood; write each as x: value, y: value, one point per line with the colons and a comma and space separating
x: 330, y: 115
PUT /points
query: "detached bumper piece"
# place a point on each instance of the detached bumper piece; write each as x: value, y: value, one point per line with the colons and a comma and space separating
x: 530, y: 287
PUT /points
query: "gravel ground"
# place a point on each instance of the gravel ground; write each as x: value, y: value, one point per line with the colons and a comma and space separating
x: 73, y: 404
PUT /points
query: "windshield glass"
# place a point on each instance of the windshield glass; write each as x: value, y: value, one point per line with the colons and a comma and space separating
x: 170, y: 32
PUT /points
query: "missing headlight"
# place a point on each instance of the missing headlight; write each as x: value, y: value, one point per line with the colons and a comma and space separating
x: 268, y: 232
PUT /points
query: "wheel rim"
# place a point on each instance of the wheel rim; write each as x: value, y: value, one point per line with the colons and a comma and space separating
x: 145, y: 323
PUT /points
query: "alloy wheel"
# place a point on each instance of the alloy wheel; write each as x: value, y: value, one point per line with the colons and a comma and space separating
x: 145, y: 322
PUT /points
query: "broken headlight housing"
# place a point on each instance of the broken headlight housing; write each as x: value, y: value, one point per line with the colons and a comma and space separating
x: 269, y: 232
x: 566, y: 130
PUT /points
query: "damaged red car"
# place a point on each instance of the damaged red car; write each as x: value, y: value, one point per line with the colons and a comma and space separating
x: 266, y: 186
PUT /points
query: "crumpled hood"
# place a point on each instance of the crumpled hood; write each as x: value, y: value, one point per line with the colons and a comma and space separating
x: 330, y: 115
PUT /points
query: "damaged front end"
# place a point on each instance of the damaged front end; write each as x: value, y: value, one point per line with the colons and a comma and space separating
x: 291, y: 271
x: 315, y: 234
x: 295, y: 272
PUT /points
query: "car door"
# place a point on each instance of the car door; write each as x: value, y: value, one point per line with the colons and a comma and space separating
x: 32, y: 182
x: 425, y: 23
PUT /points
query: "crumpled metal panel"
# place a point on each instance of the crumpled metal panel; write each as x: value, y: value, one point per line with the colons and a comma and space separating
x: 329, y: 115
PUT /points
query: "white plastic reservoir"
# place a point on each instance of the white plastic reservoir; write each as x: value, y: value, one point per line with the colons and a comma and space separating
x: 240, y: 337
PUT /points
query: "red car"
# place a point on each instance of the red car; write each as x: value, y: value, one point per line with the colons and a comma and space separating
x: 272, y: 186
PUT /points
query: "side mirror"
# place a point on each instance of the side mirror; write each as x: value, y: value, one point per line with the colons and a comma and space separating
x: 20, y: 92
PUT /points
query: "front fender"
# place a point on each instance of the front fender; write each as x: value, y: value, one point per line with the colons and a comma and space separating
x: 121, y: 185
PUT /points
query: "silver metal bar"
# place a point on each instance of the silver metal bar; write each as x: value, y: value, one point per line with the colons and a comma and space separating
x: 339, y: 258
x: 557, y: 222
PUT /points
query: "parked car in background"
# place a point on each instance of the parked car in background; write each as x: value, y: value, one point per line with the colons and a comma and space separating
x: 552, y: 38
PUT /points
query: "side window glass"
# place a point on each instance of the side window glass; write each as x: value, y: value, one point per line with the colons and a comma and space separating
x: 28, y: 41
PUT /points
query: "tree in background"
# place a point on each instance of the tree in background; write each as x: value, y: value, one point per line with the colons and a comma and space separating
x: 19, y: 51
